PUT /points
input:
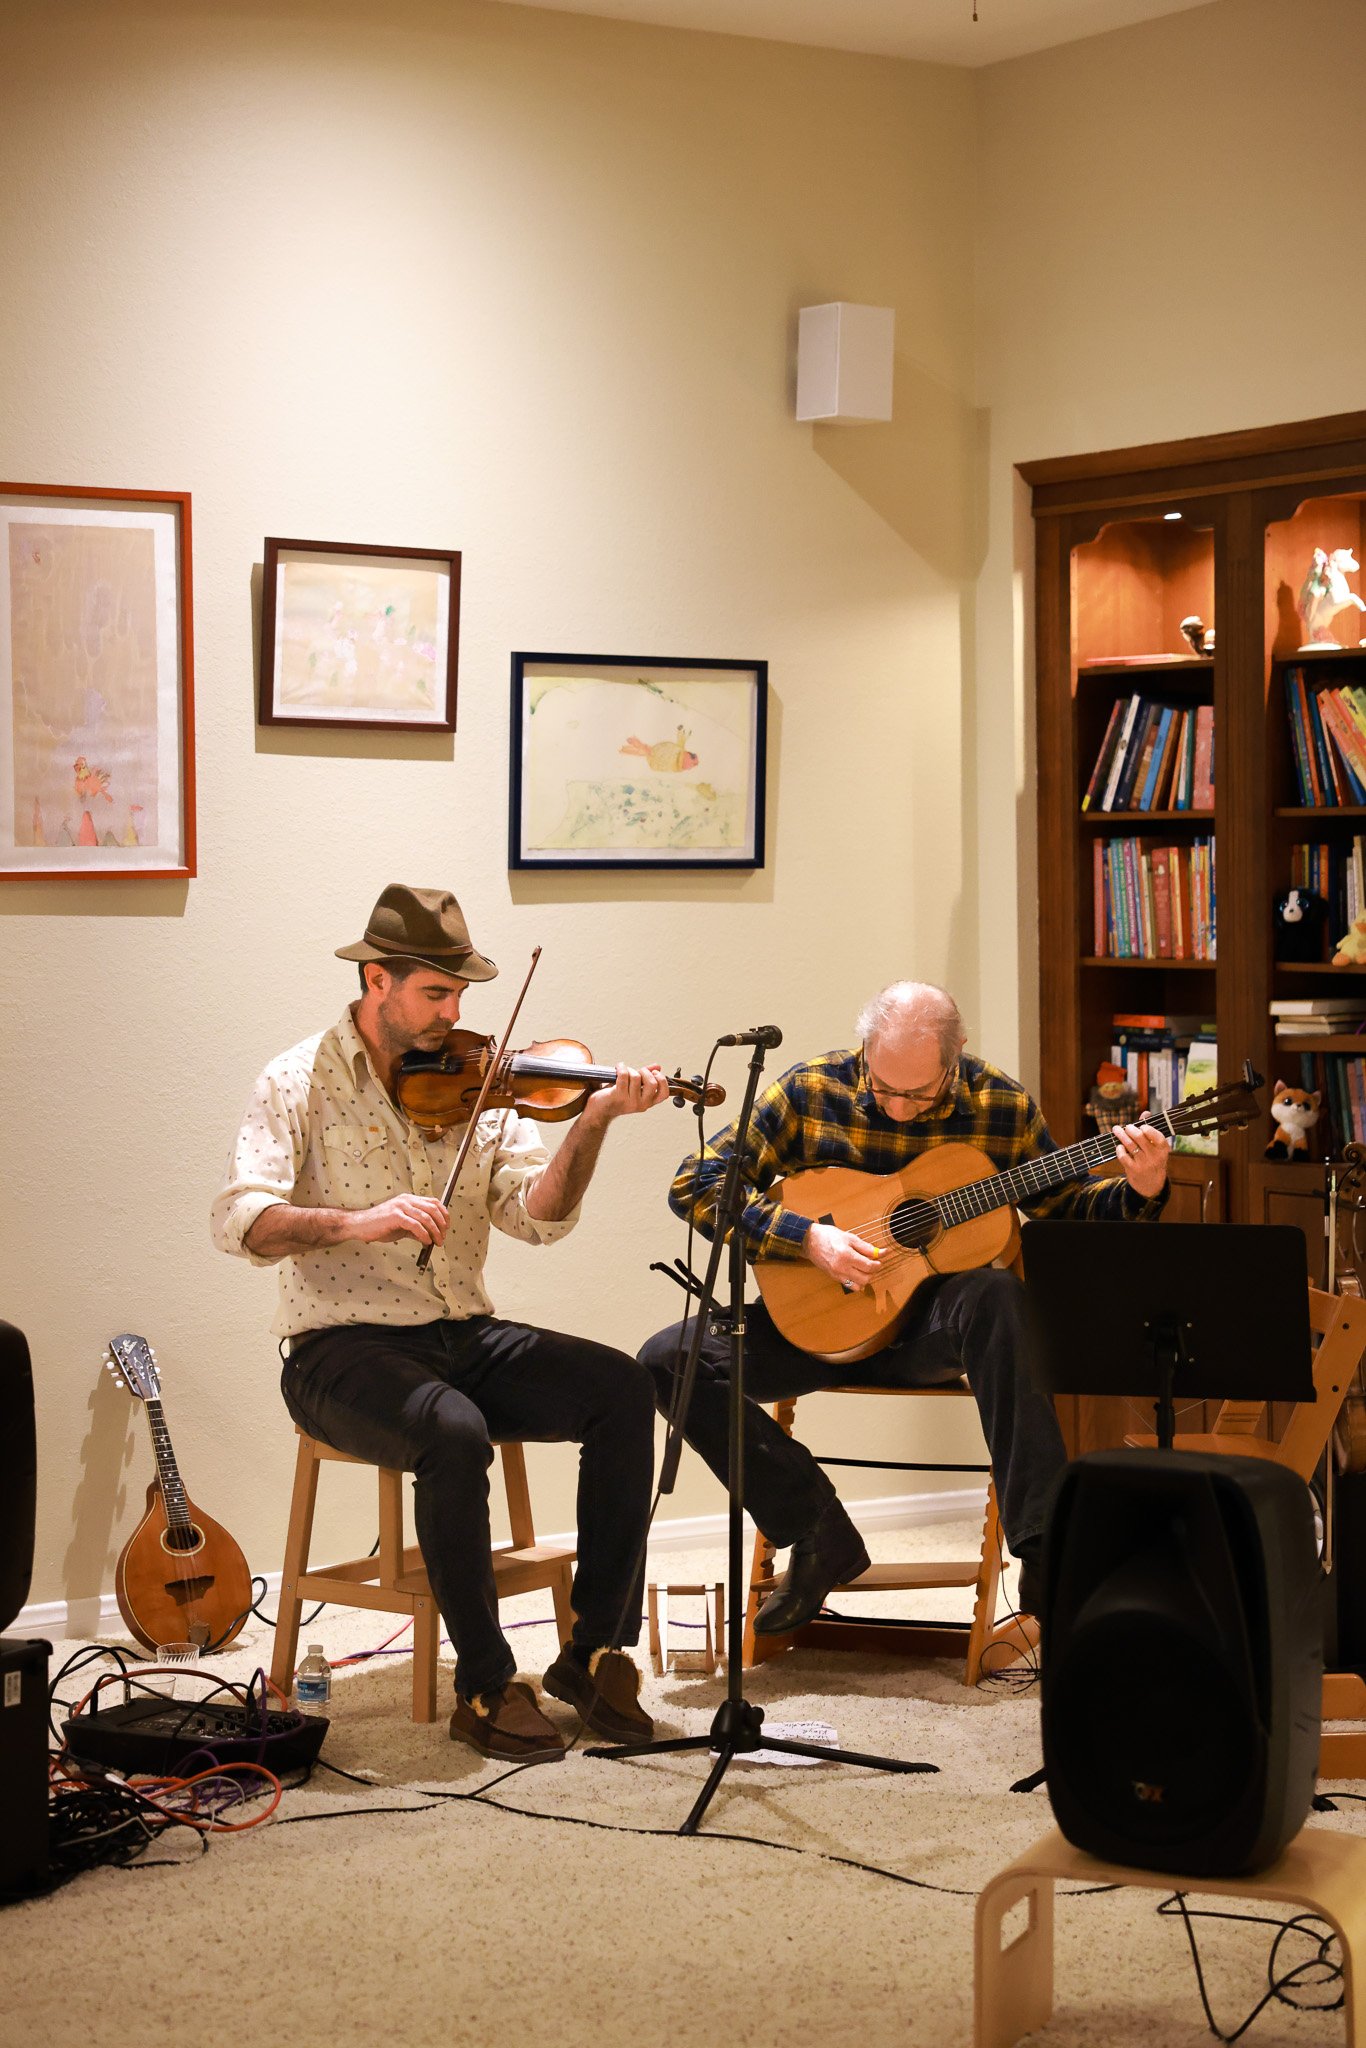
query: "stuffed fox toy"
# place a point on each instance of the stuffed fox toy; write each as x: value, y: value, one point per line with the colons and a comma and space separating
x: 1294, y: 1114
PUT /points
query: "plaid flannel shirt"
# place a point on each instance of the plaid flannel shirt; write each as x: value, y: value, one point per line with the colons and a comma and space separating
x: 824, y: 1113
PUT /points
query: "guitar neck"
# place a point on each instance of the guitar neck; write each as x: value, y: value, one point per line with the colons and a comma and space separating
x: 1036, y: 1176
x: 168, y: 1472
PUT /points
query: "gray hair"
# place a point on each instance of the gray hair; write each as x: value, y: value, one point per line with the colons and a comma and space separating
x: 914, y: 1009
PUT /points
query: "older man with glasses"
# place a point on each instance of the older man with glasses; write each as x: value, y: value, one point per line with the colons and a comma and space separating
x: 907, y: 1086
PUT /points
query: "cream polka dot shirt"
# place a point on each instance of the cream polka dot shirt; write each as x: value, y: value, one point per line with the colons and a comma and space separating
x: 321, y: 1132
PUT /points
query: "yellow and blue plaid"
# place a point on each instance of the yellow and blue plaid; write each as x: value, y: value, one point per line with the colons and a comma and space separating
x: 824, y: 1113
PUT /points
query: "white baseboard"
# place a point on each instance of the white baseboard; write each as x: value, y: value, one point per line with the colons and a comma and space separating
x: 82, y: 1620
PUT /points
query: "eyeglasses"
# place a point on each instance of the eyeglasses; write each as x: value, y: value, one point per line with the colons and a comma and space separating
x: 919, y: 1098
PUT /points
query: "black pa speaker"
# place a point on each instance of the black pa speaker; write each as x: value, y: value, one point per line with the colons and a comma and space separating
x: 1183, y: 1660
x: 18, y: 1473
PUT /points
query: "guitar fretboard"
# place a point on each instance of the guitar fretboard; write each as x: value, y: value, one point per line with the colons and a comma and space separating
x: 1032, y: 1177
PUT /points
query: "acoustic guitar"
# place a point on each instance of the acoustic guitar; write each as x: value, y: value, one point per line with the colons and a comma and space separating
x: 180, y: 1578
x: 946, y: 1212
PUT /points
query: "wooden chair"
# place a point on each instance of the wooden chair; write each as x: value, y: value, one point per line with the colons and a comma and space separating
x: 1339, y: 1320
x: 989, y: 1646
x: 395, y: 1580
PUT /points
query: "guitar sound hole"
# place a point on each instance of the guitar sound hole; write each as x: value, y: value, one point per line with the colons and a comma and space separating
x: 915, y: 1225
x: 182, y: 1540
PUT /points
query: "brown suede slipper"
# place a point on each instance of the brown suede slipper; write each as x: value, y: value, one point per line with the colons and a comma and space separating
x: 605, y: 1694
x: 508, y: 1725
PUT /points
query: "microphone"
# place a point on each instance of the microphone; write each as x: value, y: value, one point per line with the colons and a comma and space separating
x: 762, y: 1034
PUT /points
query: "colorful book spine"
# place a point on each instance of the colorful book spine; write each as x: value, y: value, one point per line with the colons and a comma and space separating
x: 1202, y: 792
x: 1099, y: 773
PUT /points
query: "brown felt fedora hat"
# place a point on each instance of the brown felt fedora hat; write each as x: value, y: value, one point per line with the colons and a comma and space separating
x: 420, y: 924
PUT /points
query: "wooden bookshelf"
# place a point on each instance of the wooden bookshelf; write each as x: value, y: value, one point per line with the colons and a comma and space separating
x: 1114, y: 578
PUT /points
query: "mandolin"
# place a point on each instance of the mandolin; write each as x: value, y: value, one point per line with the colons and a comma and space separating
x: 180, y: 1578
x: 946, y: 1212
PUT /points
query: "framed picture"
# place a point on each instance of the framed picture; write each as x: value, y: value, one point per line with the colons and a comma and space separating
x: 96, y: 684
x: 354, y: 635
x: 620, y: 762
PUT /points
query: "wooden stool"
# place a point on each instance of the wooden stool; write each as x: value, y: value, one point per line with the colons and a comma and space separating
x: 395, y: 1580
x: 990, y: 1647
x: 1012, y: 1993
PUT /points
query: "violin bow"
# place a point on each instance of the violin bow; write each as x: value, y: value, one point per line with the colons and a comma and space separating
x: 424, y: 1258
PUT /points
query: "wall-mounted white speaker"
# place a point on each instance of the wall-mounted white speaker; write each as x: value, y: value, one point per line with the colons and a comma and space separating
x: 844, y: 362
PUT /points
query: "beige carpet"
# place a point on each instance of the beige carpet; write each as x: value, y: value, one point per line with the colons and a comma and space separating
x: 451, y: 1922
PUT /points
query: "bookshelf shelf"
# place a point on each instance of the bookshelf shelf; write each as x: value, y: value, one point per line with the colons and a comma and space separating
x: 1203, y: 819
x: 1317, y: 967
x: 1114, y: 580
x: 1161, y: 960
x: 1324, y: 811
x: 1334, y: 1043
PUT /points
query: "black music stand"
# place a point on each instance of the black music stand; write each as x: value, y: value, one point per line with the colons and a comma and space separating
x: 737, y: 1727
x: 1187, y: 1311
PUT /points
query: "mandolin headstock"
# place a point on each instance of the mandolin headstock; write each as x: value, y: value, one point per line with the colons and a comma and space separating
x: 133, y: 1364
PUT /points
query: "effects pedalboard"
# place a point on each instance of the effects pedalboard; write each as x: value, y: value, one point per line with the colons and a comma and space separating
x: 156, y: 1737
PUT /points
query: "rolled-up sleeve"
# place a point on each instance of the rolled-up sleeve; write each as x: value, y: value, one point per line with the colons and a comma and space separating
x: 518, y: 1163
x: 263, y: 1166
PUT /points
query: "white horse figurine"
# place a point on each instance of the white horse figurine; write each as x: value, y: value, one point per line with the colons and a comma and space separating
x: 1324, y: 594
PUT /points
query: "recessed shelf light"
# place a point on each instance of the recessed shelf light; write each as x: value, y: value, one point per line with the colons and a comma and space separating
x: 1171, y: 515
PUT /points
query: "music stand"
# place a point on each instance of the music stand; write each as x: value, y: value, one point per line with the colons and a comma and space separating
x: 1193, y: 1311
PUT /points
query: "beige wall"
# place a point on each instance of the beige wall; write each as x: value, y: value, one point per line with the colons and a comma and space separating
x: 524, y: 285
x: 1168, y: 244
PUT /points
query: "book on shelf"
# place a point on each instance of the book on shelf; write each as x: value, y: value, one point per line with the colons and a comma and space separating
x: 1340, y: 1083
x: 1328, y: 739
x: 1202, y: 1071
x: 1203, y: 771
x: 1336, y: 871
x: 1153, y: 902
x: 1151, y: 1048
x: 1147, y: 757
x: 1317, y: 1006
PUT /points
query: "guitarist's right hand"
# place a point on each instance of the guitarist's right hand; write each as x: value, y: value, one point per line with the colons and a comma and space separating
x: 850, y: 1260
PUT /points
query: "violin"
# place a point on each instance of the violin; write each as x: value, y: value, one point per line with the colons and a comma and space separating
x: 550, y: 1081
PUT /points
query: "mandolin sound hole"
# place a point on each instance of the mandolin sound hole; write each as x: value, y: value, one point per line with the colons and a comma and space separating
x: 182, y: 1540
x: 915, y: 1225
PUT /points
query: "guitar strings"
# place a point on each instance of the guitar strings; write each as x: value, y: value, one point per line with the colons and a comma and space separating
x: 1049, y: 1169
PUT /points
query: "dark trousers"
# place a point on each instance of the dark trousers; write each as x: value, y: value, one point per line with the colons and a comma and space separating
x: 965, y: 1324
x: 428, y: 1398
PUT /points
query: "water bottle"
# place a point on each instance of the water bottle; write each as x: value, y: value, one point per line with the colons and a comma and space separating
x: 313, y: 1680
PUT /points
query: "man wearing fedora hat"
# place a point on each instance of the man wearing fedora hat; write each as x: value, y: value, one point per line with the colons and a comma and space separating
x: 413, y: 1369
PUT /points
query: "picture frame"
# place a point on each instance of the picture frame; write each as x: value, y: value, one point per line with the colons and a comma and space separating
x: 624, y: 761
x: 96, y: 684
x: 358, y: 636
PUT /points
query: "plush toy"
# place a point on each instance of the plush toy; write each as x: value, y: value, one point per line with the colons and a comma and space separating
x: 1294, y: 1114
x: 1300, y: 916
x: 1351, y: 949
x: 1112, y: 1101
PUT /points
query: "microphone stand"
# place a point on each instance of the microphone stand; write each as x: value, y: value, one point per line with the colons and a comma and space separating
x: 735, y: 1729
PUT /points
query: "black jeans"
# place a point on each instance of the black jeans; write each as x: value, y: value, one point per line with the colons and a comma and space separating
x: 966, y: 1323
x: 427, y: 1399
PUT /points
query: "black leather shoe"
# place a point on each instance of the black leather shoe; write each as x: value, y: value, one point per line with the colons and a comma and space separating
x: 828, y: 1555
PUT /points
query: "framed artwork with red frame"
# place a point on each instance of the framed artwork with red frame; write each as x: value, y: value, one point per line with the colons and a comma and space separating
x: 96, y: 684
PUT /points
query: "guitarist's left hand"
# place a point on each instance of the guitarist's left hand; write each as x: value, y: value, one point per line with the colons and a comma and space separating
x: 1142, y: 1153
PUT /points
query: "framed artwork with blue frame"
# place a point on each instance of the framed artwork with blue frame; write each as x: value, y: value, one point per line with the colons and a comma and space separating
x: 624, y: 761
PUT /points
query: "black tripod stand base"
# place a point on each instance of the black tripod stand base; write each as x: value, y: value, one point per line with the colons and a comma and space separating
x: 735, y: 1732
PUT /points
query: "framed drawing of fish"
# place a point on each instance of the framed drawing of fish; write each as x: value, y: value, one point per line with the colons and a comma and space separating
x: 96, y: 684
x: 624, y: 761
